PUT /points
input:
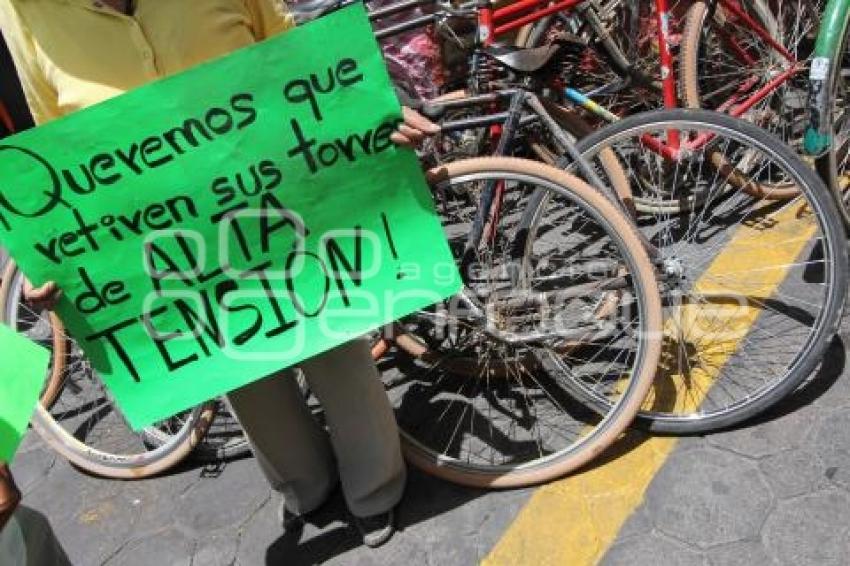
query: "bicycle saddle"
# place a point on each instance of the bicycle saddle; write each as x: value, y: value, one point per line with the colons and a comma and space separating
x: 307, y: 10
x: 522, y: 60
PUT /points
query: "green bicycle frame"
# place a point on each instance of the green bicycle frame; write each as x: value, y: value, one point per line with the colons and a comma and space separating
x: 826, y: 61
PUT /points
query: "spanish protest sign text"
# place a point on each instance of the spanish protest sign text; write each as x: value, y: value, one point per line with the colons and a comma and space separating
x: 215, y: 226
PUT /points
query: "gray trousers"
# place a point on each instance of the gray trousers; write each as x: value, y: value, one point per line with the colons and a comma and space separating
x: 300, y: 459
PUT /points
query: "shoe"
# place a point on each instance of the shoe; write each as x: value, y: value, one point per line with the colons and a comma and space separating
x: 289, y: 520
x: 377, y: 529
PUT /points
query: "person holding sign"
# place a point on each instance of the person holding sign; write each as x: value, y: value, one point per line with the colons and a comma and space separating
x: 71, y: 54
x: 26, y: 537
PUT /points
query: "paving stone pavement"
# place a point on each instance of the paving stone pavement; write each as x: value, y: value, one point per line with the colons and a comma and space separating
x: 776, y: 491
x: 772, y: 492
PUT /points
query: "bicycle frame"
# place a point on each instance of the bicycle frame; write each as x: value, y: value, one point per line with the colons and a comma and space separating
x: 825, y: 63
x: 736, y: 105
x: 509, y: 121
x: 493, y: 23
x: 524, y: 107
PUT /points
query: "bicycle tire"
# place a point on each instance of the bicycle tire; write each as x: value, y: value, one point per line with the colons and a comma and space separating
x: 622, y: 232
x: 689, y: 70
x: 612, y: 173
x: 834, y: 266
x: 782, y: 111
x: 55, y: 376
x: 171, y: 451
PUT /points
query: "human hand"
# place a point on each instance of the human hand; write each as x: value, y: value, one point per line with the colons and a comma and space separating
x: 10, y: 496
x: 44, y: 297
x: 414, y: 129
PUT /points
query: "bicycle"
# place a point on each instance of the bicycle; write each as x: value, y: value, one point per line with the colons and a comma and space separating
x: 82, y: 422
x: 746, y: 326
x: 530, y: 298
x: 614, y: 242
x: 751, y: 59
x: 745, y: 167
x: 448, y: 387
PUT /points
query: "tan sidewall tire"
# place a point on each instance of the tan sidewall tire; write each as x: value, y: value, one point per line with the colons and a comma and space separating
x: 688, y: 53
x: 689, y: 93
x: 642, y: 382
x: 60, y: 346
x: 71, y: 448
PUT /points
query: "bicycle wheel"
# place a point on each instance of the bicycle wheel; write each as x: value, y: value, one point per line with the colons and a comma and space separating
x: 486, y: 401
x: 83, y: 424
x: 724, y: 62
x: 833, y: 165
x: 753, y: 288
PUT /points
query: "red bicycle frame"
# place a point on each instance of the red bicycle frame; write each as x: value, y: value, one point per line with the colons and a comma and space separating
x: 545, y: 9
x: 493, y: 23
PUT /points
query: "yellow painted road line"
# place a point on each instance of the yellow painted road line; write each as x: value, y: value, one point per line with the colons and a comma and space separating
x: 575, y: 520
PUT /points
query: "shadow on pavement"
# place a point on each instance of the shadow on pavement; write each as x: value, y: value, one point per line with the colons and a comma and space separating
x: 425, y: 497
x: 331, y: 532
x: 835, y: 360
x: 812, y: 389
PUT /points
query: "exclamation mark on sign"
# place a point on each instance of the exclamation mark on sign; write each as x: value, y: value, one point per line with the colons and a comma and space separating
x: 391, y: 243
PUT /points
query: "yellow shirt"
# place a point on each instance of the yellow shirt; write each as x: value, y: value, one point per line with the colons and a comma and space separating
x: 74, y: 53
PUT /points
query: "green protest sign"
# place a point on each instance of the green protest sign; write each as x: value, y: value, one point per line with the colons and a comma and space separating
x: 213, y: 227
x: 22, y: 375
